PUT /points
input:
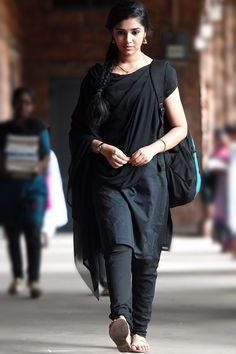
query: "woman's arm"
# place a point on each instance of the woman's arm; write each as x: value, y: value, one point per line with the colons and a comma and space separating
x: 41, y: 165
x: 177, y: 120
x: 179, y: 128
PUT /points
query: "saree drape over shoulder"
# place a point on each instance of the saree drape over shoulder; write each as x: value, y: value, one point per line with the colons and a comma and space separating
x: 128, y: 205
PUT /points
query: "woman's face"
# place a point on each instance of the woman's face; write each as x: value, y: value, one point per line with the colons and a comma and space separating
x: 128, y: 35
x: 23, y: 106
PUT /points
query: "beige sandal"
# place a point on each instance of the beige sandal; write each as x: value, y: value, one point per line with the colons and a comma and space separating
x: 120, y: 334
x: 139, y: 344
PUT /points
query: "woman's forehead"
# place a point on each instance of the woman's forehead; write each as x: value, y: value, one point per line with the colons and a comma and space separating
x: 129, y: 24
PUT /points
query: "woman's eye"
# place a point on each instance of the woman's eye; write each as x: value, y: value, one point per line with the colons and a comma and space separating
x: 122, y: 33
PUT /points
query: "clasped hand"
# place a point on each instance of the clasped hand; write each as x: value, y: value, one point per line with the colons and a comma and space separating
x: 117, y: 158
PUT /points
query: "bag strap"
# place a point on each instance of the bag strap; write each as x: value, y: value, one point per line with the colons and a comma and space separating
x: 157, y: 74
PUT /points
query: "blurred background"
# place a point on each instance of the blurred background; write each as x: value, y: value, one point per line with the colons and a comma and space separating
x: 50, y: 44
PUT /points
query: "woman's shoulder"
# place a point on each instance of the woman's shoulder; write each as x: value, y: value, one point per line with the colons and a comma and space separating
x: 165, y: 63
x: 170, y: 76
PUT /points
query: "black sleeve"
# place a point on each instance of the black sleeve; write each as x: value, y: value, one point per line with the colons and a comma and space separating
x: 170, y: 81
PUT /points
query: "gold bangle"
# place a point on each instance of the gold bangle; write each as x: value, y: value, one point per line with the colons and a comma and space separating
x: 164, y: 144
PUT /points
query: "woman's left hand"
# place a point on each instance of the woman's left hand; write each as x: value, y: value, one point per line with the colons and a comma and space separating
x: 142, y: 156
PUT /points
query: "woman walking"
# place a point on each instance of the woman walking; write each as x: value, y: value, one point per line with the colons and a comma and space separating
x: 118, y: 185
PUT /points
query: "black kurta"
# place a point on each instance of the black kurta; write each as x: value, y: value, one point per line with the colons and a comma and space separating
x: 128, y: 205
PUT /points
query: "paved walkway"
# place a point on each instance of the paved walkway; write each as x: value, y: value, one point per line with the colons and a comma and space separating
x: 194, y: 310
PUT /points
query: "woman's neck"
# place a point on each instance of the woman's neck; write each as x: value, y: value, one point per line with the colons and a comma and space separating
x: 131, y: 59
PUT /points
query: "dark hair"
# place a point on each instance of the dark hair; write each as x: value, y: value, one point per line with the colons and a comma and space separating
x: 98, y: 109
x: 128, y: 9
x: 22, y: 90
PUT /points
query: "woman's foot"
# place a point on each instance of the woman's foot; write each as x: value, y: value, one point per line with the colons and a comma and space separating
x: 139, y: 344
x: 120, y: 333
x: 35, y: 290
x: 15, y: 287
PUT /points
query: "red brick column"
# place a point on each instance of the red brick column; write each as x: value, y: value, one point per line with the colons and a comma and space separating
x: 10, y: 55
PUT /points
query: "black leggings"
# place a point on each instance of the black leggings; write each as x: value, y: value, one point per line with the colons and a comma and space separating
x: 131, y: 285
x: 33, y: 246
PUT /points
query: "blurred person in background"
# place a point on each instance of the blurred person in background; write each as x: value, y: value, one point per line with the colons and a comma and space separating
x: 117, y: 181
x: 56, y: 212
x: 217, y: 188
x: 24, y: 149
x: 207, y: 195
x: 231, y: 130
x: 208, y: 182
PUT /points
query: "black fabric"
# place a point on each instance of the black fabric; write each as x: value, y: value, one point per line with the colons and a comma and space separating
x: 133, y: 216
x: 131, y: 283
x: 144, y: 275
x: 118, y: 268
x: 133, y: 123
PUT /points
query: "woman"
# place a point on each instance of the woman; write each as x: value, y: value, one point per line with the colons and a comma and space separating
x: 117, y: 178
x: 24, y: 146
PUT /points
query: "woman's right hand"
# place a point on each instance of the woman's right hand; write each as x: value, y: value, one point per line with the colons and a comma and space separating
x: 114, y: 156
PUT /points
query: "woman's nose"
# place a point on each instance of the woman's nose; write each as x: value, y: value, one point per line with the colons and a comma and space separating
x: 129, y: 38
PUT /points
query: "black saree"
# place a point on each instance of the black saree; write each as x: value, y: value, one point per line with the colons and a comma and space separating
x: 99, y: 192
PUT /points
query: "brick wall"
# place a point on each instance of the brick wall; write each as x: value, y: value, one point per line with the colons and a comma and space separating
x: 10, y: 54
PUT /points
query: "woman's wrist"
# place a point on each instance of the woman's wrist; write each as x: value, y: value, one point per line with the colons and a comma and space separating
x: 164, y: 144
x: 97, y: 146
x: 159, y: 146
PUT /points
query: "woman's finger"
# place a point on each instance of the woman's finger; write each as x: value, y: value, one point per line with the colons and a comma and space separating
x: 135, y: 156
x: 122, y: 156
x: 137, y: 159
x: 119, y: 161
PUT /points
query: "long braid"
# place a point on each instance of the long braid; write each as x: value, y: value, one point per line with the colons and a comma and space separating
x: 99, y: 107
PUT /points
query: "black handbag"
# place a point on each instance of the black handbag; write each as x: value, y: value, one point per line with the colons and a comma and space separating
x: 181, y: 162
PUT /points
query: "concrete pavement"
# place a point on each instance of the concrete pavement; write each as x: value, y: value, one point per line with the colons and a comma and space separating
x: 194, y: 309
